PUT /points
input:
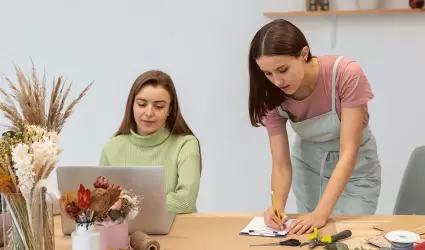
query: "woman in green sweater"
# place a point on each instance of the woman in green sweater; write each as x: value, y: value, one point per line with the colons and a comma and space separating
x: 153, y: 132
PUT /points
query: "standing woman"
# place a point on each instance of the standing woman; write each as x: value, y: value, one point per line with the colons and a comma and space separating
x: 153, y: 132
x: 334, y: 165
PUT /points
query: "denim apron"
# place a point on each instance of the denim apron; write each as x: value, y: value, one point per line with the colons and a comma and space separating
x: 314, y: 156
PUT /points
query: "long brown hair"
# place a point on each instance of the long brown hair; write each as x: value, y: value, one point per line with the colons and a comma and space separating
x: 278, y: 37
x: 175, y: 121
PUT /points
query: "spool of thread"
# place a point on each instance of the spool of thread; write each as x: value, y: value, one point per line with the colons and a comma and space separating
x: 402, y: 240
x: 142, y: 241
x: 402, y: 246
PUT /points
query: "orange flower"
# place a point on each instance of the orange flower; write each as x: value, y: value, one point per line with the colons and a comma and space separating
x: 84, y: 198
x: 70, y: 197
x: 6, y: 184
x: 114, y: 192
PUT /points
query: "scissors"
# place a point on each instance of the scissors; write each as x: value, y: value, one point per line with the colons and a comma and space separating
x: 290, y: 242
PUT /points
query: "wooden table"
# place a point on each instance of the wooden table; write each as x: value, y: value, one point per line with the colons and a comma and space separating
x: 221, y: 232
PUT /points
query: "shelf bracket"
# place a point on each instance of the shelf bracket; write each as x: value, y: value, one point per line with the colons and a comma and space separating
x: 334, y: 30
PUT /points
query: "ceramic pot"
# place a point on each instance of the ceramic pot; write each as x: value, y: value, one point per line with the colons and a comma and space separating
x: 85, y: 237
x: 368, y: 4
x: 416, y: 4
x: 343, y: 5
x: 114, y: 236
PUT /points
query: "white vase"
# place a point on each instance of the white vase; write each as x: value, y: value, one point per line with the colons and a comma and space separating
x: 368, y: 4
x: 343, y: 5
x: 85, y: 237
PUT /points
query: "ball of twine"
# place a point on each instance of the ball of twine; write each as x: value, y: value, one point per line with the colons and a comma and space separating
x: 142, y: 241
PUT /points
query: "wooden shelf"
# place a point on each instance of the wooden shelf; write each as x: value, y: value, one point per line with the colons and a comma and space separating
x: 335, y: 13
x: 342, y: 12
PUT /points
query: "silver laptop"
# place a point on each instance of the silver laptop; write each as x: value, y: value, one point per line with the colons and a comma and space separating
x: 145, y: 181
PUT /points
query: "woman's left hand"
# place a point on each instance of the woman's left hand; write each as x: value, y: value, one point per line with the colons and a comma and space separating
x: 306, y: 223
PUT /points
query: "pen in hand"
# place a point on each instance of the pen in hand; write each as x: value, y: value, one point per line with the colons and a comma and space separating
x: 277, y: 211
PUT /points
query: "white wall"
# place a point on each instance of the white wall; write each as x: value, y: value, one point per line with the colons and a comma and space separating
x: 203, y: 45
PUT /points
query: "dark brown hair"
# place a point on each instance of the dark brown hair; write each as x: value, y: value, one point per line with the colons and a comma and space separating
x: 278, y: 37
x: 175, y: 121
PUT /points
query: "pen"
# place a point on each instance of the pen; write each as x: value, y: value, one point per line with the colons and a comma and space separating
x: 275, y: 207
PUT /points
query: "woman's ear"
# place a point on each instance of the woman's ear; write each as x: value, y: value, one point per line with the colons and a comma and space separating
x: 304, y: 53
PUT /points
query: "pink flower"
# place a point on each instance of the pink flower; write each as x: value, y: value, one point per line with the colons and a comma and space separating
x: 101, y: 182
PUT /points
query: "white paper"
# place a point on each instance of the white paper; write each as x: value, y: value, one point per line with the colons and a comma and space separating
x: 259, y: 228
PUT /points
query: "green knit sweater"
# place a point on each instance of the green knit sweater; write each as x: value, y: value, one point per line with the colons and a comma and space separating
x: 180, y: 155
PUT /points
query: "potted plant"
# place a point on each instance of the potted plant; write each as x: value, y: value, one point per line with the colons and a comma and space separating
x: 101, y: 215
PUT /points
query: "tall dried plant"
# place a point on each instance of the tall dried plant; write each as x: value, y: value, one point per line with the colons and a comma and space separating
x: 29, y: 94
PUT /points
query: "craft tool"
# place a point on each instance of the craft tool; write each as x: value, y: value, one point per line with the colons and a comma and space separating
x: 290, y: 242
x: 314, y: 239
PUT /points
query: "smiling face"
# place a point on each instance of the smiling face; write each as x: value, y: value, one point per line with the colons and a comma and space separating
x: 151, y: 108
x: 286, y: 72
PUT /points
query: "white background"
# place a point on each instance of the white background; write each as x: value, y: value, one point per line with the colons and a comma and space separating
x: 203, y: 45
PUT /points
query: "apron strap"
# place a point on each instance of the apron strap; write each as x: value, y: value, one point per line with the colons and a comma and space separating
x: 325, y: 156
x: 335, y: 67
x: 282, y: 113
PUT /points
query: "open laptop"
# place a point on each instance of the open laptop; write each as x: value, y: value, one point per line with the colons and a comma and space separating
x: 145, y: 181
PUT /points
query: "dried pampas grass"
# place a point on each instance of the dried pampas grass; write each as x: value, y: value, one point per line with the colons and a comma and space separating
x: 29, y: 94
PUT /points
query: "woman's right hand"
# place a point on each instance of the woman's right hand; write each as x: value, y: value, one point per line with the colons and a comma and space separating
x: 272, y: 220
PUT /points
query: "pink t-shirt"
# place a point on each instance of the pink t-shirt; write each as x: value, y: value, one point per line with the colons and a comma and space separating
x: 352, y: 90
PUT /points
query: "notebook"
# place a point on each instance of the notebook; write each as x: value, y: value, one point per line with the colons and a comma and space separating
x: 256, y: 227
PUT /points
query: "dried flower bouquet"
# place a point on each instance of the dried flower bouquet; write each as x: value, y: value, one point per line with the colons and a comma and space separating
x: 28, y: 154
x: 103, y: 205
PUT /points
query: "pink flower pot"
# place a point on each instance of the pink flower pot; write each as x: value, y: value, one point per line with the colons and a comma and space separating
x: 115, y: 236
